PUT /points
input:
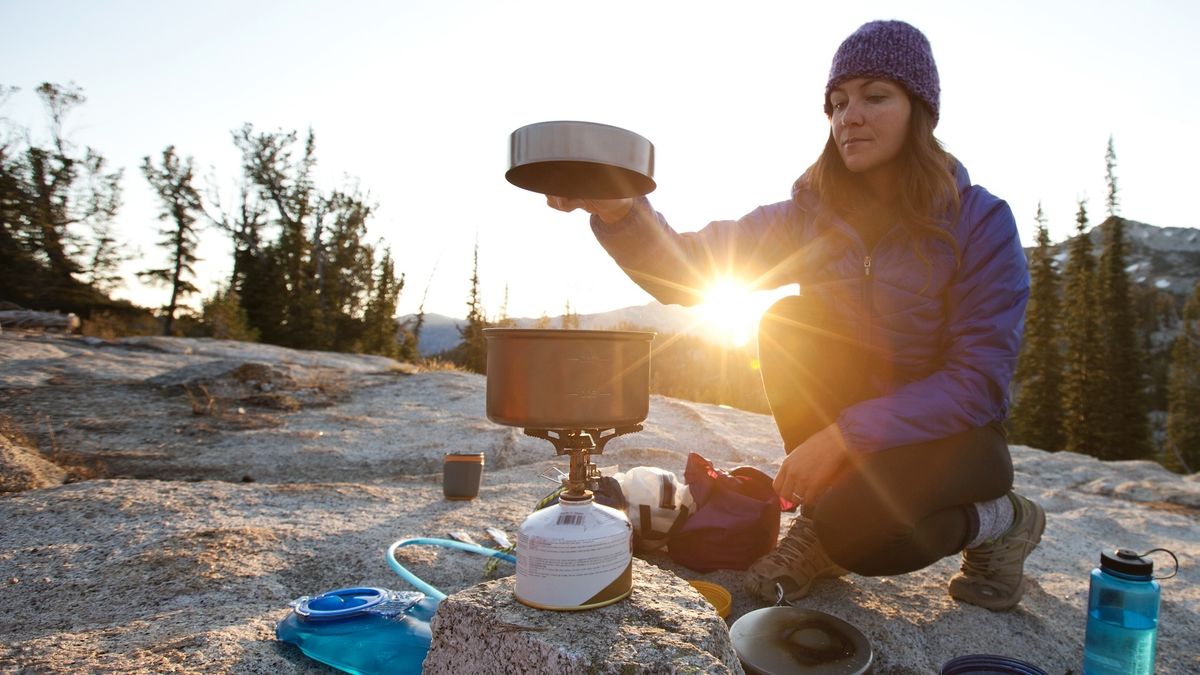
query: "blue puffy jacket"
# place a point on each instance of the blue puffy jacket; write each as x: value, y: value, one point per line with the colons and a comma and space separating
x: 952, y: 331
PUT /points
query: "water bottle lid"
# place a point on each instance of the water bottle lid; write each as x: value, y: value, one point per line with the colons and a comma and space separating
x: 989, y: 664
x: 1126, y: 562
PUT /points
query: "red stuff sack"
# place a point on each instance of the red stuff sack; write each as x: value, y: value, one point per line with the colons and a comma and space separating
x: 736, y: 520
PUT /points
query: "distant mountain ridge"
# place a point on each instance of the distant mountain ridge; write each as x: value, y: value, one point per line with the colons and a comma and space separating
x: 440, y: 333
x: 1166, y: 258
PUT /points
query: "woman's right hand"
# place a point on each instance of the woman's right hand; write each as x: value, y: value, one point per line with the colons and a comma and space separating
x: 608, y: 210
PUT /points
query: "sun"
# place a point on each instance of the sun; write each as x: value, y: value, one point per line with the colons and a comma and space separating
x: 731, y: 311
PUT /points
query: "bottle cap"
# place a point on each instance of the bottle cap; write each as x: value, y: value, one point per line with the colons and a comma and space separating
x: 715, y: 594
x: 1126, y: 561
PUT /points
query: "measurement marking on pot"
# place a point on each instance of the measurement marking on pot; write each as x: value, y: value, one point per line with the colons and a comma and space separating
x: 589, y: 377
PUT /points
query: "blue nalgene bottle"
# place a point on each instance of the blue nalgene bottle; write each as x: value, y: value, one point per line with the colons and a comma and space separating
x: 1122, y: 616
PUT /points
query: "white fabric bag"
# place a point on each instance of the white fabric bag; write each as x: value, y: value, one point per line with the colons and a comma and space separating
x: 656, y: 500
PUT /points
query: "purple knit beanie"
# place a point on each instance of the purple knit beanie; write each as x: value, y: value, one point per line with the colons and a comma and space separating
x: 893, y: 50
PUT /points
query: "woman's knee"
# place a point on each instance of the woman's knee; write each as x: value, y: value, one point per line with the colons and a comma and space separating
x: 785, y: 317
x: 804, y: 316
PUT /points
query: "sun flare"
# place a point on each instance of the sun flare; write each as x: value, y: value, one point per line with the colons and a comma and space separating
x: 731, y: 311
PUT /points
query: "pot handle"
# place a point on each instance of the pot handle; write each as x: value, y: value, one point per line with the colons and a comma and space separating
x: 602, y: 440
x: 591, y: 440
x: 779, y: 597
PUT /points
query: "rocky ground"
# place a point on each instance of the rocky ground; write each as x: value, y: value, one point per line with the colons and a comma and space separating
x: 164, y: 499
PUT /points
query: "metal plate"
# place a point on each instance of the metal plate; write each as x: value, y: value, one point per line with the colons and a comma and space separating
x: 778, y: 640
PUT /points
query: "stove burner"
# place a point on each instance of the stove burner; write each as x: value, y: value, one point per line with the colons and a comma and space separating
x: 581, y: 444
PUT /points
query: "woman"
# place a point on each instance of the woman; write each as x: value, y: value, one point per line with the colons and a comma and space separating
x: 888, y: 375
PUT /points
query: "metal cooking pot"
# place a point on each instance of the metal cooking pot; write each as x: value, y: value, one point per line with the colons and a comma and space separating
x: 567, y: 379
x: 581, y: 160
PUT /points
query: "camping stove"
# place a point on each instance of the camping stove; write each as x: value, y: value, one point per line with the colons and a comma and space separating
x: 576, y: 553
x: 578, y: 389
x: 581, y: 444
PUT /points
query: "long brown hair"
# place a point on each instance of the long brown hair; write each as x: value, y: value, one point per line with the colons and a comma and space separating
x: 928, y: 201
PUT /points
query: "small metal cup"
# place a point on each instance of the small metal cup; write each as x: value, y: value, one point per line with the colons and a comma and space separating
x: 461, y: 473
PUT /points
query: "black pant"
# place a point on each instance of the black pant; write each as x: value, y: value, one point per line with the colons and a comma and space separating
x: 899, y: 509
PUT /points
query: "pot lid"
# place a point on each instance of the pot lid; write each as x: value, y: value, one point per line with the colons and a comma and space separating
x: 778, y: 640
x: 581, y: 160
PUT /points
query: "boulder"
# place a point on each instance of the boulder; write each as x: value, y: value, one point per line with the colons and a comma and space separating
x: 30, y: 319
x: 664, y: 626
x: 24, y: 469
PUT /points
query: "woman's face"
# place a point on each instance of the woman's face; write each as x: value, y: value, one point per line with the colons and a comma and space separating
x: 870, y: 123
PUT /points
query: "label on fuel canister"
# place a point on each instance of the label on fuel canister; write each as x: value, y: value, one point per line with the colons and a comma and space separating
x: 574, y: 555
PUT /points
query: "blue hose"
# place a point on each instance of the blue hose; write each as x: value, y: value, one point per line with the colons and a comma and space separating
x: 415, y: 581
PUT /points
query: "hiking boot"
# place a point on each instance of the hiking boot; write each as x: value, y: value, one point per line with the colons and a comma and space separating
x: 993, y: 573
x: 795, y: 564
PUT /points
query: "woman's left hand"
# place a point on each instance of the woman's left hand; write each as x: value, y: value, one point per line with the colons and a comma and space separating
x: 809, y: 469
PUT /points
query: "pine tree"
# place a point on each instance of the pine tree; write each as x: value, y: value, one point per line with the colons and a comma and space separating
x: 253, y: 277
x: 408, y: 346
x: 263, y: 284
x: 56, y: 206
x: 1156, y: 310
x: 224, y: 317
x: 1037, y: 417
x: 410, y: 349
x: 570, y: 318
x: 172, y: 182
x: 379, y: 322
x: 52, y: 173
x: 1082, y: 357
x: 472, y: 352
x: 344, y: 267
x: 287, y: 291
x: 1183, y: 406
x: 105, y: 257
x: 504, y: 320
x: 1121, y: 397
x: 309, y: 287
x: 1110, y: 178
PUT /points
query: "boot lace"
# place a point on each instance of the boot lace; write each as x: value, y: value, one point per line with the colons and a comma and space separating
x: 800, y: 550
x: 1004, y: 556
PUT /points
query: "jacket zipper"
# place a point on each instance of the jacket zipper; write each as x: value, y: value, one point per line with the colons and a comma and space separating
x: 867, y: 300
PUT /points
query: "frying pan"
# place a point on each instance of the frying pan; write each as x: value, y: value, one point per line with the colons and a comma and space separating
x: 580, y: 160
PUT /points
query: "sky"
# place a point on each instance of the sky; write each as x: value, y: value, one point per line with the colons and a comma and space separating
x: 414, y: 102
